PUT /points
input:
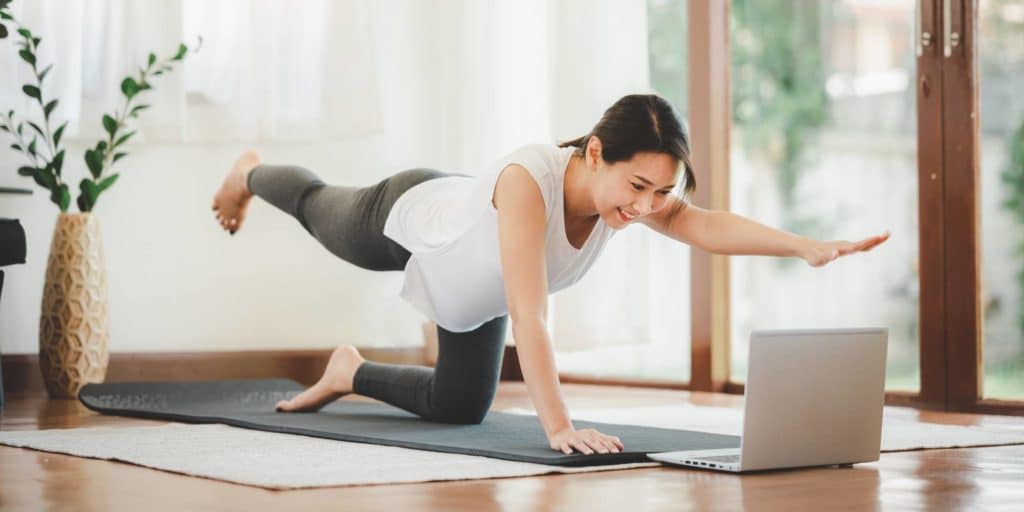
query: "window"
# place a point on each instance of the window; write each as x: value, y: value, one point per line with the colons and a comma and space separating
x: 1001, y: 54
x: 823, y: 144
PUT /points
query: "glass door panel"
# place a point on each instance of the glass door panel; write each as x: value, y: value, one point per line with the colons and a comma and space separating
x: 1001, y: 143
x: 823, y: 144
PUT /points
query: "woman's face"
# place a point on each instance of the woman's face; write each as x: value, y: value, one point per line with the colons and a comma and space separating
x: 625, y: 191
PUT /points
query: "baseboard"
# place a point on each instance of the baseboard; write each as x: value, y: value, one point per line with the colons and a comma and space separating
x: 21, y: 371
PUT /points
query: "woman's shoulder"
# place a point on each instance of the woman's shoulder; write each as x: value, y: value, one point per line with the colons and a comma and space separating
x: 540, y: 161
x: 537, y: 148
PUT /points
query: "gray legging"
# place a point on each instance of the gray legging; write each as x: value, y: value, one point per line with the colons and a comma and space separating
x: 349, y: 222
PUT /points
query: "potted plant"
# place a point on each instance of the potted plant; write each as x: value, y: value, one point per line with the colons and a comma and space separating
x: 73, y: 325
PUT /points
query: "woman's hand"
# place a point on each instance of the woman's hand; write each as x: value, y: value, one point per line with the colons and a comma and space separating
x: 817, y: 253
x: 586, y: 441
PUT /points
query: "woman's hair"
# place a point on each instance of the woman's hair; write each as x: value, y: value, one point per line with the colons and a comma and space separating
x: 640, y: 123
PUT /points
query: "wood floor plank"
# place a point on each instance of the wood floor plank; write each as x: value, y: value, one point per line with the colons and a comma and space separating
x: 956, y: 479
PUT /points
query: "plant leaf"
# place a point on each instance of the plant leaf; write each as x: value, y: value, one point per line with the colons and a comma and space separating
x: 32, y: 147
x: 37, y: 129
x: 15, y: 147
x: 89, y: 190
x: 49, y: 108
x: 94, y: 162
x: 134, y: 112
x: 42, y: 75
x: 152, y: 58
x: 109, y: 124
x: 122, y: 139
x: 182, y: 49
x: 107, y: 182
x: 24, y: 32
x: 3, y: 29
x: 61, y: 196
x: 42, y: 176
x: 118, y: 156
x: 129, y: 87
x: 27, y: 57
x: 58, y: 162
x: 58, y: 133
x: 49, y: 180
x: 32, y: 91
x: 36, y: 41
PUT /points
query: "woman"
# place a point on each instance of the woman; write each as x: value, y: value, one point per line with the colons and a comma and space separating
x: 478, y: 251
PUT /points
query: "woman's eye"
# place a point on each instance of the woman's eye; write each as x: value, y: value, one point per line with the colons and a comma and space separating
x: 637, y: 187
x: 666, y: 192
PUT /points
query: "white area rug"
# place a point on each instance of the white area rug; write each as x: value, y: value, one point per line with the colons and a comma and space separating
x: 286, y: 461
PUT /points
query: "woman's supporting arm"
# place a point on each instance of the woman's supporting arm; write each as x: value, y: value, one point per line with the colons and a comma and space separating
x: 522, y: 225
x: 521, y: 229
x: 537, y: 362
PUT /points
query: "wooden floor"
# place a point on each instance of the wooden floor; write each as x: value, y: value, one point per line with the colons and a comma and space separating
x: 958, y: 479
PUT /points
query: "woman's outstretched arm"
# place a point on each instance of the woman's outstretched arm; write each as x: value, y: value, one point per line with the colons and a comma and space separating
x: 723, y: 232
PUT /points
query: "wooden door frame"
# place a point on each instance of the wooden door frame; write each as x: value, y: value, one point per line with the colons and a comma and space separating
x: 964, y: 342
x: 710, y: 120
x: 931, y: 179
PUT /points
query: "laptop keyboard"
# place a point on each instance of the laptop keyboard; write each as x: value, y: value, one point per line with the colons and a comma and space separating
x: 735, y: 459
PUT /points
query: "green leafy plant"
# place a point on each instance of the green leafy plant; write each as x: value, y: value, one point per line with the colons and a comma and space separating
x: 46, y: 161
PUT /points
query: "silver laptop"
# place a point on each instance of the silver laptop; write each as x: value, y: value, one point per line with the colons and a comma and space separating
x: 813, y: 398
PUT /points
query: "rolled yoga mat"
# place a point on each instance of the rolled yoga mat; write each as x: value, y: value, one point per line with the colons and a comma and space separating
x: 250, y: 404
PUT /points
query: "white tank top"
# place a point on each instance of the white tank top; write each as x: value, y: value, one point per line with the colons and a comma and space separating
x: 451, y: 228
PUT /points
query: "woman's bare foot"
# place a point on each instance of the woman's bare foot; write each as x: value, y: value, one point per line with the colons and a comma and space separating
x: 232, y: 199
x: 336, y: 382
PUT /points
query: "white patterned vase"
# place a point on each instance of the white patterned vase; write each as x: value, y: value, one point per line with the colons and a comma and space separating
x: 73, y: 326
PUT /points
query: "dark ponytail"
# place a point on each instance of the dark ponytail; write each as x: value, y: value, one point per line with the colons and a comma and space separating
x: 640, y: 123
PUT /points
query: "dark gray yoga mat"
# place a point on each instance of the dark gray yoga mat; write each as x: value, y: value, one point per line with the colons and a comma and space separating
x: 250, y: 404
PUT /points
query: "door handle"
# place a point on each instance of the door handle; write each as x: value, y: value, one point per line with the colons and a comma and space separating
x: 951, y: 26
x: 922, y: 34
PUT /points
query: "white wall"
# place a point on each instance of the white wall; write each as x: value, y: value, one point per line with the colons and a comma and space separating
x: 462, y: 83
x: 177, y: 282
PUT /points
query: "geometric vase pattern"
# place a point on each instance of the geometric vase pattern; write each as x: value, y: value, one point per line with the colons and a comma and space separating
x: 73, y: 326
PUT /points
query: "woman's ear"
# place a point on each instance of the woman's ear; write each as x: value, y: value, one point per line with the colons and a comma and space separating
x: 593, y: 153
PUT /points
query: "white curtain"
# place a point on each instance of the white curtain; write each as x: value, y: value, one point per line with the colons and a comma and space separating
x: 491, y: 75
x: 265, y: 71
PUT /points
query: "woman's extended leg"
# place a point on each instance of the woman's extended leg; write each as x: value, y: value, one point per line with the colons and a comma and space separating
x: 348, y: 221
